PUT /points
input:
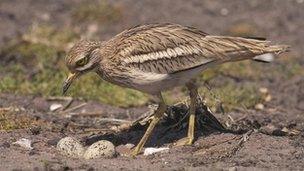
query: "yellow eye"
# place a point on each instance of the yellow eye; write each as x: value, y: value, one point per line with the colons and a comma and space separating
x: 82, y: 62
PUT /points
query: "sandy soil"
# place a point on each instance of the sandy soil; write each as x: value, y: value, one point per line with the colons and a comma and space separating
x: 277, y: 138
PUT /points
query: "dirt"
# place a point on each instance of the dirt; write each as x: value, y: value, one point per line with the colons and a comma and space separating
x: 272, y: 137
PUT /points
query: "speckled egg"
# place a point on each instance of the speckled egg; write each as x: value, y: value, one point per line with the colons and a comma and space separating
x: 70, y: 147
x: 100, y: 149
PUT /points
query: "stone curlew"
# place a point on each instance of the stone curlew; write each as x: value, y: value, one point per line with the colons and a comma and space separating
x: 157, y: 57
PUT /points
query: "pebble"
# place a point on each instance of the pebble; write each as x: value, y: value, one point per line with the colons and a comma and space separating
x: 263, y: 90
x: 55, y: 107
x: 124, y: 150
x: 278, y: 132
x: 268, y: 98
x: 70, y: 147
x: 291, y: 131
x: 35, y: 130
x: 25, y: 143
x: 272, y: 130
x: 232, y: 169
x: 224, y: 11
x: 150, y: 150
x: 100, y: 149
x: 53, y: 142
x: 259, y: 106
x: 5, y: 145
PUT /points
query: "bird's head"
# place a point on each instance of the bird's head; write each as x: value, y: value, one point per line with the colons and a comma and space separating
x: 82, y: 58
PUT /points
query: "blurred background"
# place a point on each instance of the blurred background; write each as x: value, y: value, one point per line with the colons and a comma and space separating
x: 35, y: 36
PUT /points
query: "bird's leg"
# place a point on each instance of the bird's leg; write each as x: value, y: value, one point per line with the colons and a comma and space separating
x: 157, y: 116
x: 193, y: 98
x: 193, y: 92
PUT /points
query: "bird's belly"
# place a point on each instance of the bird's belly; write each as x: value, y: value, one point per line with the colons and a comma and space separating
x: 154, y: 83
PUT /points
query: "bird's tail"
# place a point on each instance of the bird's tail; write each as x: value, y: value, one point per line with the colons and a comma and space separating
x: 273, y: 49
x: 238, y: 48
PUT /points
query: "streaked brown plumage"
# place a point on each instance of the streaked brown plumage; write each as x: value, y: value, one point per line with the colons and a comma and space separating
x: 157, y: 57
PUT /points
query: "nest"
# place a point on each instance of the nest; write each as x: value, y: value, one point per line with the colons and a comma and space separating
x: 176, y: 118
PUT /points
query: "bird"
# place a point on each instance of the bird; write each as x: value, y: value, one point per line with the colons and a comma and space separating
x: 153, y: 58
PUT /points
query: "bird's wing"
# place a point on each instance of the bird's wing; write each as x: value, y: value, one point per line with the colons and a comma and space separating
x: 169, y: 48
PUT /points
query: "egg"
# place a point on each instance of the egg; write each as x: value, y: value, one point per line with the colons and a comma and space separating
x: 70, y: 147
x: 100, y: 149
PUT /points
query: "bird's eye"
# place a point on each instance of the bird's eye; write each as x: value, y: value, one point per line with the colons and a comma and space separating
x: 82, y: 61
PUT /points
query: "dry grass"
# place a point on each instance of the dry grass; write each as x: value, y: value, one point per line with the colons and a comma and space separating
x: 10, y: 119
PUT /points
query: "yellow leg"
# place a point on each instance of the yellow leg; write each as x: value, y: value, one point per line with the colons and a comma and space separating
x: 157, y: 116
x: 192, y: 115
x: 193, y: 97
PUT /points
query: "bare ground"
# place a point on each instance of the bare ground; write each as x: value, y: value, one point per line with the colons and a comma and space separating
x: 266, y: 147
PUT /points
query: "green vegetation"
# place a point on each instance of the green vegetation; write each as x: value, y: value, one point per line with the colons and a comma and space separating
x: 232, y: 96
x: 37, y: 67
x: 101, y: 12
x: 223, y: 93
x: 34, y: 64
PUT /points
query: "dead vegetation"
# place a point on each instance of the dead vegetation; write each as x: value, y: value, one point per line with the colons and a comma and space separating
x: 13, y: 119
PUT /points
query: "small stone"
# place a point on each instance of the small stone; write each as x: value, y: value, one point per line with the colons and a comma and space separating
x: 23, y: 142
x: 129, y: 145
x: 32, y: 152
x: 5, y: 145
x: 149, y: 151
x: 70, y: 147
x: 124, y: 150
x: 272, y: 130
x: 259, y: 106
x: 224, y: 11
x: 285, y: 129
x: 267, y: 129
x: 55, y: 107
x: 100, y: 149
x: 232, y: 169
x: 278, y: 132
x: 268, y: 98
x: 35, y: 130
x: 263, y: 90
x: 45, y: 16
x: 53, y: 142
x: 291, y: 131
x: 123, y: 127
x: 294, y: 132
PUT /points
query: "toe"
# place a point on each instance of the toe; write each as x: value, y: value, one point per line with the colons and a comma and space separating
x: 183, y: 142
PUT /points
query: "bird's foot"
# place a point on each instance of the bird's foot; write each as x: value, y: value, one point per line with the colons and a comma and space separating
x: 184, y: 141
x: 135, y: 152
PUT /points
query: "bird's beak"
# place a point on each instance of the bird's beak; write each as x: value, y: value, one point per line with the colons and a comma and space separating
x: 68, y: 82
